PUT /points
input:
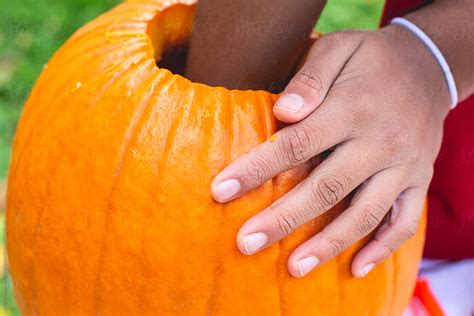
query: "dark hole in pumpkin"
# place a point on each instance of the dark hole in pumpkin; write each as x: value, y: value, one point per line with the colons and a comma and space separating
x: 174, y: 59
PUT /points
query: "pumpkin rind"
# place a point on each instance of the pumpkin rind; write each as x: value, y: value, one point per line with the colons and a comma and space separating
x: 108, y: 204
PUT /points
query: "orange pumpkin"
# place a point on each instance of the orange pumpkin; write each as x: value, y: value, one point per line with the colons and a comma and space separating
x: 109, y: 210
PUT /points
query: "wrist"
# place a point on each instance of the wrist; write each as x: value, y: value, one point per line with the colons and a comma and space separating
x: 436, y: 54
x: 418, y: 66
x: 450, y: 25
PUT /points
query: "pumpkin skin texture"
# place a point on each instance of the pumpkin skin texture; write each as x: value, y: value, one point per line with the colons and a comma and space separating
x: 109, y: 208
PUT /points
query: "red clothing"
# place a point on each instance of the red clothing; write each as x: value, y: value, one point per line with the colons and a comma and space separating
x: 450, y: 232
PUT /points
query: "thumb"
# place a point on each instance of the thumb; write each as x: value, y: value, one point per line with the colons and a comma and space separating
x: 308, y: 88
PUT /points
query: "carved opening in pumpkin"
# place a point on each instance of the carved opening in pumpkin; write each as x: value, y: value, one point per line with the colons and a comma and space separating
x: 169, y: 32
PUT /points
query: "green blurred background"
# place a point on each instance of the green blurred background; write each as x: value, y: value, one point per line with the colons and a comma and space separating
x: 31, y: 30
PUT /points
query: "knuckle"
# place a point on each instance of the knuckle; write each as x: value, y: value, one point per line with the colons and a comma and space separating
x: 394, y: 138
x: 336, y: 245
x: 338, y: 41
x: 330, y: 190
x: 388, y: 150
x: 287, y: 221
x: 379, y: 47
x: 370, y: 217
x: 413, y: 155
x: 409, y: 231
x: 361, y: 107
x: 386, y: 249
x: 428, y: 173
x: 258, y: 170
x: 309, y: 77
x: 396, y: 144
x: 297, y: 144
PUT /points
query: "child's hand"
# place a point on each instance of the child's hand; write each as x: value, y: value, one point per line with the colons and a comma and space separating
x: 379, y: 99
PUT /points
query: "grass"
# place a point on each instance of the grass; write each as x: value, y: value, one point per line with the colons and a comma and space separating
x: 31, y: 30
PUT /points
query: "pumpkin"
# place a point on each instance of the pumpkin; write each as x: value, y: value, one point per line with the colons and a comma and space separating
x: 109, y: 210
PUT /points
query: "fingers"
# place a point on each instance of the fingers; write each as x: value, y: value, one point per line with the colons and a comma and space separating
x: 325, y: 187
x: 302, y: 141
x: 308, y: 88
x: 367, y: 210
x: 403, y: 226
x: 286, y: 149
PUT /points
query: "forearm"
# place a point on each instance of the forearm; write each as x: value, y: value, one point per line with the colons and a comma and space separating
x: 249, y: 44
x: 450, y: 24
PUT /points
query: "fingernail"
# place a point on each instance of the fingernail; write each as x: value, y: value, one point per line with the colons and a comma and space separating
x: 290, y: 102
x: 365, y: 270
x: 254, y: 242
x: 226, y: 189
x: 307, y: 264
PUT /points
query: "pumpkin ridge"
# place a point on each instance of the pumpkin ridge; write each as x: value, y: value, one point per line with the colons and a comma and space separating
x: 95, y: 41
x: 116, y: 76
x: 281, y: 259
x: 226, y: 97
x: 38, y: 230
x: 100, y: 52
x: 103, y: 51
x: 131, y: 130
x: 97, y: 30
x: 35, y: 238
x: 180, y: 109
x: 95, y: 37
x: 229, y: 118
x: 229, y: 114
x: 85, y: 51
x: 166, y: 80
x: 215, y: 276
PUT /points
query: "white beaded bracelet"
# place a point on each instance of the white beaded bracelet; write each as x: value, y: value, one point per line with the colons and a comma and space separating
x: 436, y: 53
